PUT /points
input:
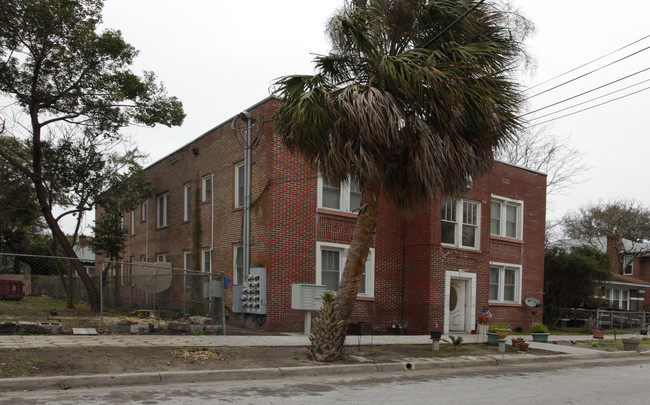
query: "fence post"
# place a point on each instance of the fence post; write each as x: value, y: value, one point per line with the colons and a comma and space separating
x: 101, y: 295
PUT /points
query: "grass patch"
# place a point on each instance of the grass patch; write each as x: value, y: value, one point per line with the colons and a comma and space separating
x: 25, y: 366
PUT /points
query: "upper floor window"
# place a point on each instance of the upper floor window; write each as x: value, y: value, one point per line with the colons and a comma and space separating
x: 460, y: 223
x: 240, y: 176
x: 506, y: 217
x: 505, y: 283
x: 628, y: 265
x: 163, y: 210
x: 187, y: 202
x: 345, y: 196
x: 132, y: 223
x: 206, y: 195
x: 144, y: 211
x: 162, y: 258
x: 330, y: 262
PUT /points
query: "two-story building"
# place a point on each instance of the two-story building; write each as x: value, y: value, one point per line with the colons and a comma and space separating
x: 436, y: 268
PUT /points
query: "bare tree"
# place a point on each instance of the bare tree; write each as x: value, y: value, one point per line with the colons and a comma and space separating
x: 537, y: 150
x: 625, y: 222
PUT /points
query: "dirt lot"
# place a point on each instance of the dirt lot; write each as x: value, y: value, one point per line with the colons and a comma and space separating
x: 102, y: 360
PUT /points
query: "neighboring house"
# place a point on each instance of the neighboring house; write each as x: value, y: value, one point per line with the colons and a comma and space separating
x: 629, y: 287
x: 434, y: 269
x: 85, y: 255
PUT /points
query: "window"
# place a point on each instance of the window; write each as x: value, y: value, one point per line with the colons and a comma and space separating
x: 505, y: 283
x: 240, y: 176
x: 342, y: 197
x: 163, y: 210
x: 618, y: 298
x: 143, y: 211
x: 187, y: 261
x: 330, y: 261
x: 506, y: 217
x: 207, y: 188
x: 132, y: 222
x: 187, y: 202
x: 206, y: 264
x: 628, y: 265
x: 122, y: 274
x: 162, y: 258
x: 238, y: 264
x: 460, y: 223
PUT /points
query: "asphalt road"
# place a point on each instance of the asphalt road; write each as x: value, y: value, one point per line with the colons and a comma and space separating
x: 604, y: 381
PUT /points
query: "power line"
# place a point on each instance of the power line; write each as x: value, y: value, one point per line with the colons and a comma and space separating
x: 589, y: 108
x: 459, y: 19
x: 588, y: 63
x: 584, y: 102
x: 588, y: 73
x: 586, y: 92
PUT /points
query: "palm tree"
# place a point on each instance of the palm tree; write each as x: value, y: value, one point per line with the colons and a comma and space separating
x: 408, y: 112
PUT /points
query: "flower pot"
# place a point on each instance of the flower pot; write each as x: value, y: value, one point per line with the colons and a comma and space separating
x: 502, y: 333
x: 523, y: 346
x: 492, y: 339
x: 540, y: 337
x: 599, y: 333
x: 631, y: 344
x: 517, y: 342
x: 435, y: 334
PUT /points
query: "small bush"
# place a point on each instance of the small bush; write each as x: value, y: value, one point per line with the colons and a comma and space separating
x: 538, y: 328
x: 493, y: 328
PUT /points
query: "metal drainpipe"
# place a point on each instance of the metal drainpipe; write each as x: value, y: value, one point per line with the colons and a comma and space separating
x: 245, y: 116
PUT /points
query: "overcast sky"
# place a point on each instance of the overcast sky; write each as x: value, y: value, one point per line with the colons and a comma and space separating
x: 220, y: 57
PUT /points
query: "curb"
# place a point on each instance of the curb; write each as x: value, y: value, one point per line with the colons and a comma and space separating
x: 113, y: 380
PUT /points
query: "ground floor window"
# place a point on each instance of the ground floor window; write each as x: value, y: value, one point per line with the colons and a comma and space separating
x: 330, y: 262
x: 618, y: 298
x: 505, y: 283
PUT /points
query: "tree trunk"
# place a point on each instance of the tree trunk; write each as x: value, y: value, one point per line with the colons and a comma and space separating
x: 355, y: 262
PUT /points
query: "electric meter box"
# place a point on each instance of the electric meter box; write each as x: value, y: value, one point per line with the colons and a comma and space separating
x: 308, y: 297
x: 250, y: 296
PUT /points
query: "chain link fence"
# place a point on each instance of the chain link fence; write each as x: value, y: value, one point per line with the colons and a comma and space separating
x: 147, y: 289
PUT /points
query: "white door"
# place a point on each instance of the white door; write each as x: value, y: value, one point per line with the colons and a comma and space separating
x: 457, y: 305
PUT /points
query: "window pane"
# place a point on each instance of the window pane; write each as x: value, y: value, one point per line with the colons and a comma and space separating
x: 188, y: 202
x: 331, y: 196
x: 239, y: 264
x: 448, y: 210
x: 494, y: 284
x: 470, y: 211
x: 495, y: 218
x: 362, y: 285
x: 469, y: 236
x: 509, y: 285
x: 207, y: 188
x: 206, y: 261
x: 511, y: 221
x: 241, y: 186
x: 355, y: 195
x: 448, y: 232
x: 330, y: 268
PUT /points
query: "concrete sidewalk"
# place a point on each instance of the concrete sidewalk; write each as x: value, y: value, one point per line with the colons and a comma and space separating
x: 564, y: 349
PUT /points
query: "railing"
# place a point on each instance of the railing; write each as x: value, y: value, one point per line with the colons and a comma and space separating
x: 605, y: 318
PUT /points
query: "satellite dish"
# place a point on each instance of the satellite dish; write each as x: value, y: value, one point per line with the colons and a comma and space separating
x: 532, y: 302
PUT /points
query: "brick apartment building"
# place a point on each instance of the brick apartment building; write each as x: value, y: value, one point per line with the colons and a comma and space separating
x: 433, y: 270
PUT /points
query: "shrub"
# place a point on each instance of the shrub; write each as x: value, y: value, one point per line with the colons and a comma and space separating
x: 493, y: 328
x: 538, y: 328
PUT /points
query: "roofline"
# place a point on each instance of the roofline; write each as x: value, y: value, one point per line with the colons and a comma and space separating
x: 210, y: 130
x: 521, y: 167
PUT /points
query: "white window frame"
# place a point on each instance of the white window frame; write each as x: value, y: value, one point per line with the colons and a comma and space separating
x: 187, y: 263
x: 344, y: 249
x: 501, y: 283
x: 240, y: 196
x: 206, y: 188
x: 235, y: 274
x: 206, y: 260
x: 162, y: 210
x: 144, y: 211
x: 628, y: 263
x: 162, y: 258
x: 504, y: 203
x: 345, y: 196
x: 458, y: 221
x: 615, y: 298
x: 187, y: 201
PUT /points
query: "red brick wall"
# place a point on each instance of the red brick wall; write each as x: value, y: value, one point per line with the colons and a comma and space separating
x: 410, y: 263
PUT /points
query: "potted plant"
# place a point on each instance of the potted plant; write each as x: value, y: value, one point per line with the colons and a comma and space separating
x: 631, y: 343
x: 539, y: 331
x: 436, y: 334
x: 516, y: 342
x: 523, y: 346
x: 492, y: 337
x: 599, y: 333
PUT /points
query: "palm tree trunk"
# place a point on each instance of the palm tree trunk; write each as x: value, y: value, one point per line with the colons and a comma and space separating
x: 359, y: 246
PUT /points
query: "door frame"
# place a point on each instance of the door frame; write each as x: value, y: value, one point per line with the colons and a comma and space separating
x: 470, y: 298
